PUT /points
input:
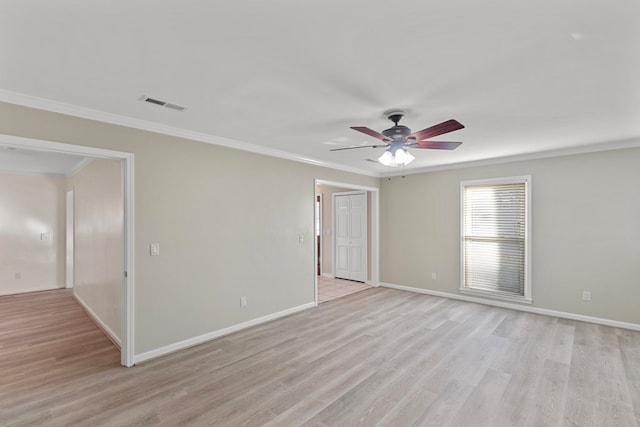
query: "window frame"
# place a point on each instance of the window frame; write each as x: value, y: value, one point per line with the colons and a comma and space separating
x: 527, y: 297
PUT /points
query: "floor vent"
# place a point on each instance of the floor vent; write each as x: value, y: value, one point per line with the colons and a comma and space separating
x: 176, y: 107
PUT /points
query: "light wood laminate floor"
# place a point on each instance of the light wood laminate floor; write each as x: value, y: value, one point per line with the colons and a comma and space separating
x: 330, y: 289
x: 378, y: 357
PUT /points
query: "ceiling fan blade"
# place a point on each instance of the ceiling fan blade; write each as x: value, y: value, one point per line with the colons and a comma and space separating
x: 439, y: 129
x: 371, y: 132
x: 360, y: 146
x: 437, y: 145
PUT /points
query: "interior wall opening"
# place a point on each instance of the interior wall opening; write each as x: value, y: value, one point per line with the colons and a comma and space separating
x: 97, y: 185
x: 346, y: 239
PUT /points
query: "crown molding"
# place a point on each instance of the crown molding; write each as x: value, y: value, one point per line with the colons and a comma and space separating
x: 84, y: 162
x: 116, y: 119
x: 582, y: 149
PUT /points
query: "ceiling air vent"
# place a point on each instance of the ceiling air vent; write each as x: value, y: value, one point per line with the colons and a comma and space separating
x: 165, y: 104
x: 175, y: 107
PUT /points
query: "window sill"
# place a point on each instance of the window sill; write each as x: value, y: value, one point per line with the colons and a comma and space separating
x: 494, y: 295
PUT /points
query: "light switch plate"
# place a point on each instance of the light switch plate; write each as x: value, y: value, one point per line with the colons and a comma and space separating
x: 154, y: 249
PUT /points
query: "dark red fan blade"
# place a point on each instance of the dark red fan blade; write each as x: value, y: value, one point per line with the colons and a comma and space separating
x: 371, y: 132
x: 437, y: 145
x: 439, y: 129
x: 360, y: 146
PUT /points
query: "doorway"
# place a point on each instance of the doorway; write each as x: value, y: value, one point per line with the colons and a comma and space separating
x: 127, y: 286
x: 326, y: 235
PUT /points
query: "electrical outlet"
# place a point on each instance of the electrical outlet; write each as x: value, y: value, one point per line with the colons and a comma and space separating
x: 243, y: 301
x: 18, y: 276
x: 434, y: 276
x: 586, y: 295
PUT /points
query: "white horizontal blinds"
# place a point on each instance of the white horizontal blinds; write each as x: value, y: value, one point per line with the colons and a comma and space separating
x: 494, y: 237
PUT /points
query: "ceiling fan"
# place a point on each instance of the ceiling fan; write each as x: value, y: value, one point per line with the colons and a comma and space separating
x: 398, y: 138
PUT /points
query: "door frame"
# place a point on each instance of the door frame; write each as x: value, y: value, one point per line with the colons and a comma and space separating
x: 320, y: 236
x: 128, y: 276
x: 333, y: 227
x: 374, y: 242
x: 70, y: 241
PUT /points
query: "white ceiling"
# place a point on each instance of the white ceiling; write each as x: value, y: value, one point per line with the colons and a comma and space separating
x: 290, y: 77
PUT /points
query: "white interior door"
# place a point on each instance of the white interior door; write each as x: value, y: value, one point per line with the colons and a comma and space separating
x: 351, y: 236
x: 341, y: 227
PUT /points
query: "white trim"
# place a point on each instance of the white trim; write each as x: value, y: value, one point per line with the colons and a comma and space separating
x: 348, y: 193
x: 320, y: 230
x: 375, y: 238
x: 128, y: 283
x: 106, y: 329
x: 127, y: 355
x: 328, y: 275
x: 582, y: 149
x: 527, y: 308
x: 29, y: 290
x: 317, y: 239
x: 345, y: 185
x: 181, y: 345
x: 69, y: 243
x: 495, y: 295
x: 500, y: 180
x: 116, y: 119
x: 59, y: 147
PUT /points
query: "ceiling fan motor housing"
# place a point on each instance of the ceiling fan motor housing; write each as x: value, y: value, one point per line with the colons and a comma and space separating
x: 397, y: 132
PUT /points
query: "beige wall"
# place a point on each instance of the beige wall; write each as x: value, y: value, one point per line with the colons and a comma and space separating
x: 98, y: 242
x: 29, y: 206
x: 223, y: 232
x: 585, y: 230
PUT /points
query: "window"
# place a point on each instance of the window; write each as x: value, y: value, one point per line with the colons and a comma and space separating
x: 495, y: 238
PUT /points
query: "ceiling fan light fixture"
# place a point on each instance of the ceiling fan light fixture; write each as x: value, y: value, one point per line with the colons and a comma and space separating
x: 409, y: 158
x: 387, y: 159
x: 401, y: 156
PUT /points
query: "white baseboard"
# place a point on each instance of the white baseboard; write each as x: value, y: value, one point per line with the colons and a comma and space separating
x: 29, y: 290
x: 106, y: 329
x: 527, y: 308
x: 152, y: 354
x: 328, y: 275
